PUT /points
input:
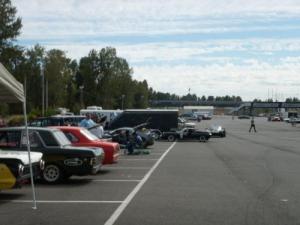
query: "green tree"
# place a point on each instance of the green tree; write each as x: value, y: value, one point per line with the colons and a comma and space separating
x: 10, y: 28
x: 58, y: 75
x: 31, y: 69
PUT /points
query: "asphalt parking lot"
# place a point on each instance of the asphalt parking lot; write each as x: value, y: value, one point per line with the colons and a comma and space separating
x: 245, y: 178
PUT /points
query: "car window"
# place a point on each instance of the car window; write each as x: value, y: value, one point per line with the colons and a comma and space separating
x: 61, y: 138
x: 36, y: 123
x: 48, y: 138
x: 10, y: 138
x: 34, y: 140
x: 71, y: 137
x: 88, y: 135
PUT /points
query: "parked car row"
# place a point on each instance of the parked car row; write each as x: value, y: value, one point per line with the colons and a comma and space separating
x: 62, y: 158
x: 63, y: 151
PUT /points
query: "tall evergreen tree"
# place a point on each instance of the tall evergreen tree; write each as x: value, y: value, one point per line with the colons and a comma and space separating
x: 10, y: 28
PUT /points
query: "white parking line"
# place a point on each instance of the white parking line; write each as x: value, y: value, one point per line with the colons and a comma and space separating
x: 60, y: 201
x: 128, y: 199
x: 116, y: 180
x: 137, y: 159
x: 127, y: 168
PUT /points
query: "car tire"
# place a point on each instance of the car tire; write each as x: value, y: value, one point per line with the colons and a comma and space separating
x: 52, y: 173
x: 202, y: 138
x: 171, y: 138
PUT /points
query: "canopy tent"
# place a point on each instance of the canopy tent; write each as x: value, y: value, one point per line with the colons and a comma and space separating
x: 12, y: 91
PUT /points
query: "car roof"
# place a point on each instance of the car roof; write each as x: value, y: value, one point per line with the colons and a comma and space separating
x: 29, y: 128
x: 61, y: 116
x: 67, y: 127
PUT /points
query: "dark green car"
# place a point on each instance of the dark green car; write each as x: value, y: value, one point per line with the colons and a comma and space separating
x: 61, y: 159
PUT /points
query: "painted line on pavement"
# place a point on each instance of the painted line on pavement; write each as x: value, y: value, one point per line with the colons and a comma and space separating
x: 136, y: 159
x: 128, y: 168
x: 113, y: 218
x: 116, y: 180
x: 61, y: 201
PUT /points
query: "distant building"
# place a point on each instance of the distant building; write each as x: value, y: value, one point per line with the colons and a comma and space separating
x: 200, y: 109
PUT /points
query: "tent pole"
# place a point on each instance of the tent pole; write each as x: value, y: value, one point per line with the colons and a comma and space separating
x: 29, y: 157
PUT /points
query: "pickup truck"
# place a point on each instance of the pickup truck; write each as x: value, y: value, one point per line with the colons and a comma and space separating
x: 14, y: 168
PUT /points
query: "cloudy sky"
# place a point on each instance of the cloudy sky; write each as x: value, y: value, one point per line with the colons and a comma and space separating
x: 249, y: 48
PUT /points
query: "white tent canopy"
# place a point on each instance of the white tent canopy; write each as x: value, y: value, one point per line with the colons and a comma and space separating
x: 12, y: 91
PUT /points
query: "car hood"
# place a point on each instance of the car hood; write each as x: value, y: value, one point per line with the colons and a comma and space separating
x: 21, y: 155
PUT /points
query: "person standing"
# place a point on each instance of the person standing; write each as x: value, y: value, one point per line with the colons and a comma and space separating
x: 129, y: 144
x: 87, y: 122
x: 252, y: 125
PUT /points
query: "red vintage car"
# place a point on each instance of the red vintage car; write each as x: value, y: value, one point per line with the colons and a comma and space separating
x: 80, y: 136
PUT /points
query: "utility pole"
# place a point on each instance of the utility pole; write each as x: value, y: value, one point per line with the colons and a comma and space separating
x: 46, y: 94
x: 81, y: 96
x: 123, y: 96
x: 43, y: 89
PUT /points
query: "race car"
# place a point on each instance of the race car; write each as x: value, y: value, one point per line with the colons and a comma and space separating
x: 216, y: 131
x: 14, y: 168
x: 187, y: 134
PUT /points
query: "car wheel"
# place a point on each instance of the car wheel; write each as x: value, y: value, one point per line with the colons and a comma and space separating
x: 171, y: 138
x: 52, y: 173
x: 202, y: 138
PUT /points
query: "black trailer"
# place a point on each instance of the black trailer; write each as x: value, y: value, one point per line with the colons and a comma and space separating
x: 161, y: 119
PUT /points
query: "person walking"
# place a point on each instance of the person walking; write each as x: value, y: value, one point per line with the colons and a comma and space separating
x: 252, y: 125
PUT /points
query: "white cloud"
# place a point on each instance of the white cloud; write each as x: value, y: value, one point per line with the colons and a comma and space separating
x: 58, y: 18
x: 250, y: 81
x: 246, y: 67
x: 170, y: 51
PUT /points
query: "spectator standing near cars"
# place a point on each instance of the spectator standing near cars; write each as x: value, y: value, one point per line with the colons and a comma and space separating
x: 252, y: 125
x: 87, y: 122
x: 129, y: 144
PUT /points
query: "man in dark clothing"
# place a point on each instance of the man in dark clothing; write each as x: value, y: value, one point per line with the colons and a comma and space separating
x: 252, y: 125
x: 129, y: 144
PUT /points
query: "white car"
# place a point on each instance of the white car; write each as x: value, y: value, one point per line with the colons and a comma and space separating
x: 14, y: 167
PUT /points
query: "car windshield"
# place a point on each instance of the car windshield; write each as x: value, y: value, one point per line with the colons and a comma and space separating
x: 214, y: 127
x: 61, y: 138
x: 88, y: 135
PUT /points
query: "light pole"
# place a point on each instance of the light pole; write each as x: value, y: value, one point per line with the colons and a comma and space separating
x: 142, y: 101
x: 43, y: 88
x: 81, y: 95
x: 123, y: 96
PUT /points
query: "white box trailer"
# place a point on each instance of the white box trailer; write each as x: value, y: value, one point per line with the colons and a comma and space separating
x: 110, y: 114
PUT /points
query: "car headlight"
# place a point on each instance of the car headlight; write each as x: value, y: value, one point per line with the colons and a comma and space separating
x: 42, y: 164
x: 93, y: 161
x: 20, y: 169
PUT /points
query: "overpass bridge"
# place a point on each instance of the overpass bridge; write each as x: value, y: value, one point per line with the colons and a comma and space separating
x: 181, y: 103
x: 236, y: 106
x: 249, y: 106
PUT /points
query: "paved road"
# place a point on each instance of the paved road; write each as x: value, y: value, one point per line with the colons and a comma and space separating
x: 245, y: 178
